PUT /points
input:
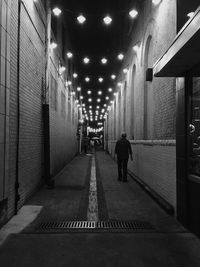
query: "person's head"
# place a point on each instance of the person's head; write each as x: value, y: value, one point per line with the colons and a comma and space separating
x: 123, y: 135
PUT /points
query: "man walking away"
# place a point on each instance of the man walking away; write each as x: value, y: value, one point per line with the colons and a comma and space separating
x: 123, y: 149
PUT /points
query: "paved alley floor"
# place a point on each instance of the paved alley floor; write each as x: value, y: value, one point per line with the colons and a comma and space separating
x: 87, y: 189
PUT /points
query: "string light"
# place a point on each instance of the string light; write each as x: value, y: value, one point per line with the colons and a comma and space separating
x: 125, y: 70
x: 110, y: 89
x: 89, y: 92
x: 120, y: 56
x: 113, y: 76
x: 69, y: 55
x: 100, y: 79
x: 133, y: 13
x: 99, y: 92
x: 107, y: 98
x: 119, y: 84
x: 81, y: 19
x: 107, y: 20
x: 87, y: 79
x: 104, y: 60
x: 89, y: 99
x: 98, y: 100
x: 75, y: 75
x: 86, y: 60
x: 57, y: 11
x: 53, y: 45
x: 78, y: 89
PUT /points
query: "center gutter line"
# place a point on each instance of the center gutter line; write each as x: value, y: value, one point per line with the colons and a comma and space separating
x: 92, y: 211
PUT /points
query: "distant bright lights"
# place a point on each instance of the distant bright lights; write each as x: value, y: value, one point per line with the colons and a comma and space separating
x: 113, y: 76
x: 99, y: 92
x: 100, y: 79
x: 120, y: 56
x: 69, y: 55
x: 57, y: 11
x: 75, y: 75
x: 87, y: 79
x: 53, y: 45
x: 110, y: 89
x: 133, y: 13
x: 125, y: 70
x: 89, y: 99
x: 86, y: 60
x: 104, y: 60
x: 78, y: 89
x: 89, y: 92
x: 98, y: 100
x: 107, y: 20
x: 81, y: 19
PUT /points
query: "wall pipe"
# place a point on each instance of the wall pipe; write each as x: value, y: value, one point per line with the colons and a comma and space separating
x: 17, y: 196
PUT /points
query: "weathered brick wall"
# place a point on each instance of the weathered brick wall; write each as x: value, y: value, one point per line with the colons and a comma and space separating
x: 150, y: 105
x: 32, y: 74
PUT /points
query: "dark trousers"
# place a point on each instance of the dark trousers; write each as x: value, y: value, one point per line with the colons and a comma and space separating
x: 122, y: 169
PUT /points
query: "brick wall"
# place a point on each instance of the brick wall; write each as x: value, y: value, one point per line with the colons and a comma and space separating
x: 150, y: 105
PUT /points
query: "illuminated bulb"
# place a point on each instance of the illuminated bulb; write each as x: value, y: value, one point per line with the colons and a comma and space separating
x: 191, y: 14
x: 87, y: 79
x: 75, y: 75
x: 69, y: 83
x: 98, y: 100
x: 100, y: 79
x: 81, y: 19
x: 98, y: 107
x: 78, y: 89
x: 107, y: 97
x: 136, y: 48
x: 105, y: 105
x: 61, y: 69
x: 83, y: 105
x: 111, y: 102
x: 107, y: 20
x: 57, y: 11
x: 120, y: 56
x: 113, y: 76
x: 125, y: 70
x: 115, y: 94
x: 53, y: 45
x: 90, y: 106
x: 104, y: 60
x: 89, y: 99
x: 110, y: 89
x: 99, y: 92
x: 89, y: 92
x: 81, y: 97
x: 133, y: 13
x: 119, y: 84
x: 156, y: 2
x: 86, y: 60
x: 76, y: 101
x: 69, y: 55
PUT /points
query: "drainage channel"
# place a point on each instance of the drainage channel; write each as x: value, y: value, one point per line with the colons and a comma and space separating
x: 96, y: 226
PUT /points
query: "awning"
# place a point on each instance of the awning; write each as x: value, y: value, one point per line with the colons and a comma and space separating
x: 184, y: 53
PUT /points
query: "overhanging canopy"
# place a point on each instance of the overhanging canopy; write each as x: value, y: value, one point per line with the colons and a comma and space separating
x: 184, y: 53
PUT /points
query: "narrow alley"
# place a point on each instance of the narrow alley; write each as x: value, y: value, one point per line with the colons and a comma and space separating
x: 152, y: 238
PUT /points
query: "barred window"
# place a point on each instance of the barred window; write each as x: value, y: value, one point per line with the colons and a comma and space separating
x: 53, y: 94
x: 63, y: 105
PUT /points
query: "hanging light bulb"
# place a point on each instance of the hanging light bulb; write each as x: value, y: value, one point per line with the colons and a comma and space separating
x: 104, y: 60
x: 75, y: 75
x: 98, y: 100
x: 133, y: 13
x: 89, y: 92
x: 99, y: 92
x: 78, y: 89
x: 81, y: 19
x: 87, y: 79
x: 110, y: 89
x: 53, y: 45
x: 69, y: 55
x: 57, y: 11
x: 86, y: 60
x: 113, y: 76
x: 120, y: 56
x: 100, y: 79
x: 119, y: 84
x: 107, y: 20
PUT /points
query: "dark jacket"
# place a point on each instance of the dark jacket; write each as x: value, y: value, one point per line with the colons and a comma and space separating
x: 123, y: 148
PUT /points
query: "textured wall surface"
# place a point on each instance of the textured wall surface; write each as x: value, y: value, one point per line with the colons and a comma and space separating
x: 149, y: 106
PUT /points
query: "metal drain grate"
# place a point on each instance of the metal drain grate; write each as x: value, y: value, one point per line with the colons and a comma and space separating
x: 95, y: 225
